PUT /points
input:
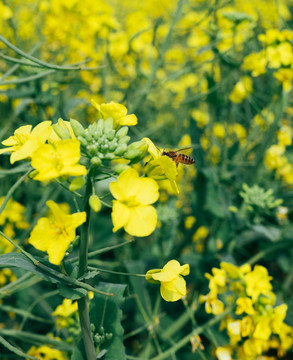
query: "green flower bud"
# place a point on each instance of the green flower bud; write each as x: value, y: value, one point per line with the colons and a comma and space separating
x: 113, y: 145
x: 110, y: 135
x: 143, y: 149
x: 108, y: 336
x: 100, y: 127
x: 95, y: 203
x: 77, y: 128
x: 96, y: 161
x: 132, y: 154
x: 82, y: 140
x: 122, y: 132
x: 137, y: 145
x: 88, y: 137
x: 76, y: 240
x: 108, y: 125
x: 93, y: 328
x: 119, y: 168
x: 102, y: 330
x: 92, y: 149
x: 109, y: 156
x: 120, y: 150
x: 69, y: 249
x: 77, y: 183
x: 124, y: 140
x: 63, y: 133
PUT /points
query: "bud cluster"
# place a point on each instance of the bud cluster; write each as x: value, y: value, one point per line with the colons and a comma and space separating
x: 102, y: 142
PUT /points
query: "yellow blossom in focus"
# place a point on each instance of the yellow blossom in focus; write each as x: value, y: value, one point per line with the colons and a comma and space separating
x: 161, y: 167
x: 132, y: 208
x: 44, y: 352
x: 117, y: 111
x: 173, y: 286
x: 25, y: 141
x: 55, y: 235
x: 58, y: 159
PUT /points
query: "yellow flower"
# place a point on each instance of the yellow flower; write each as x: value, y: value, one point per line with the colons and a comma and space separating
x: 161, y: 167
x: 219, y: 131
x: 132, y: 209
x: 223, y: 353
x: 241, y: 90
x: 25, y: 141
x: 54, y: 160
x: 285, y: 76
x: 55, y: 235
x: 65, y: 312
x: 273, y: 157
x: 263, y: 328
x: 117, y: 112
x: 44, y: 352
x: 200, y: 234
x: 173, y: 286
x: 244, y: 304
x: 257, y: 282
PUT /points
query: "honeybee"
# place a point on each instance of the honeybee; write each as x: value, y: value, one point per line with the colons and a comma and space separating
x: 177, y: 157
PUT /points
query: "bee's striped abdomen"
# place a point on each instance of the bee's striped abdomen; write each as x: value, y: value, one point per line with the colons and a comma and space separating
x: 185, y: 159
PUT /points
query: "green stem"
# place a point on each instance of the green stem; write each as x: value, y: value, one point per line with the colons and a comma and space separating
x: 28, y: 78
x: 82, y: 303
x: 116, y: 272
x: 186, y: 338
x: 43, y: 63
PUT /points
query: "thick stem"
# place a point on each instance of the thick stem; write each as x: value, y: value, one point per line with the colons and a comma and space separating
x: 83, y: 310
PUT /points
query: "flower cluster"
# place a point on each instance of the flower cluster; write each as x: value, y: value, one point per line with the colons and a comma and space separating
x: 256, y: 325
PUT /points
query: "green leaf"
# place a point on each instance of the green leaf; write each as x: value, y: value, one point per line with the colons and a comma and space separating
x: 14, y: 349
x: 21, y: 261
x: 71, y: 293
x: 89, y: 275
x: 106, y: 314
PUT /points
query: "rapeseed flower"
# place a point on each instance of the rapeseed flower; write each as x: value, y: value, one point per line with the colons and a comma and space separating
x: 132, y: 208
x: 161, y: 167
x: 59, y: 159
x: 55, y: 235
x: 117, y: 111
x: 173, y: 286
x: 25, y: 141
x: 46, y: 353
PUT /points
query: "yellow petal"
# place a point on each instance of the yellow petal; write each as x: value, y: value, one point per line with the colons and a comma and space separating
x: 153, y: 150
x: 142, y: 221
x: 129, y: 120
x: 173, y: 290
x: 147, y: 192
x: 120, y: 215
x: 184, y: 270
x: 42, y: 131
x: 126, y: 186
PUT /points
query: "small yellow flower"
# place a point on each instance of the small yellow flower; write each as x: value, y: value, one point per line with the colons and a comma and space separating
x: 132, y: 208
x: 25, y: 141
x: 244, y: 304
x: 285, y: 76
x: 65, y: 312
x: 257, y: 282
x: 44, y: 352
x: 161, y: 167
x: 223, y: 353
x: 55, y: 160
x: 173, y: 286
x: 200, y: 234
x: 55, y: 235
x: 117, y: 112
x: 241, y: 90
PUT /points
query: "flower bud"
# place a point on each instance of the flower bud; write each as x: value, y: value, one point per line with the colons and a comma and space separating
x: 95, y: 203
x: 122, y: 132
x: 124, y: 140
x: 82, y: 140
x: 100, y: 127
x: 96, y: 161
x: 77, y: 183
x: 120, y: 150
x: 108, y: 125
x: 110, y: 135
x: 119, y: 168
x: 132, y: 154
x: 113, y: 145
x: 77, y: 128
x: 109, y: 156
x: 63, y: 133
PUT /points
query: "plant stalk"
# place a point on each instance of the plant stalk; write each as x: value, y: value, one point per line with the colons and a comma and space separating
x: 82, y: 303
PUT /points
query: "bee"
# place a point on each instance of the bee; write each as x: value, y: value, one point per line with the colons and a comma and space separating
x: 177, y: 157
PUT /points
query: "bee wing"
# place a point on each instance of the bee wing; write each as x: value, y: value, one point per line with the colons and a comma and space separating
x: 186, y: 148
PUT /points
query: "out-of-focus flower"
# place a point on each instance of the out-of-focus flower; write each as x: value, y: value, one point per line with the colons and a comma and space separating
x: 65, y: 312
x: 132, y: 208
x: 285, y: 76
x: 55, y: 235
x: 25, y: 141
x: 173, y: 286
x: 44, y: 352
x: 241, y: 90
x: 117, y: 111
x: 55, y: 160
